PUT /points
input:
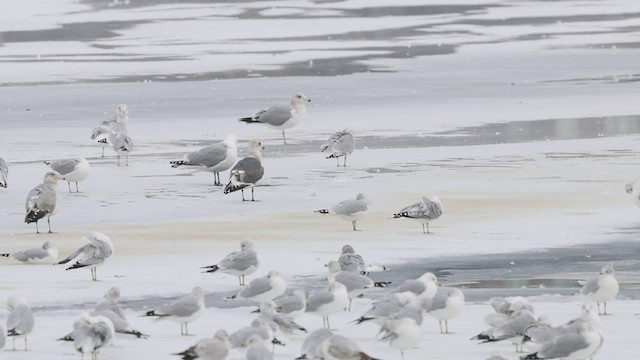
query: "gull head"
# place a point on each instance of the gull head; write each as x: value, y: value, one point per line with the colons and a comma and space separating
x: 333, y: 266
x: 198, y: 292
x: 246, y: 244
x: 273, y: 274
x: 112, y: 294
x: 52, y: 178
x: 429, y: 277
x: 268, y: 307
x: 122, y: 110
x: 47, y: 245
x: 300, y: 98
x: 222, y: 335
x: 348, y: 249
x: 607, y: 270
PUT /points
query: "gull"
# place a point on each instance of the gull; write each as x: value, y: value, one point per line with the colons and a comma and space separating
x: 282, y: 116
x: 446, y: 305
x: 541, y: 332
x: 91, y: 333
x: 328, y: 301
x: 342, y: 143
x: 350, y: 210
x: 215, y: 158
x: 41, y: 200
x: 259, y: 328
x: 350, y: 261
x: 424, y: 287
x: 311, y: 345
x: 238, y: 263
x: 426, y: 210
x: 509, y: 305
x: 248, y: 171
x: 282, y: 322
x: 118, y: 122
x: 603, y: 288
x: 182, y: 310
x: 72, y: 170
x: 92, y: 255
x: 582, y: 344
x: 21, y: 321
x: 513, y: 328
x: 257, y: 350
x: 293, y: 304
x: 265, y: 288
x: 338, y: 347
x: 401, y: 334
x: 46, y: 254
x: 110, y: 308
x: 4, y: 173
x: 355, y: 283
x: 214, y: 348
x: 394, y: 304
x: 122, y: 145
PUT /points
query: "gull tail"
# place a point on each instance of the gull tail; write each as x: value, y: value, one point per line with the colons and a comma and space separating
x: 381, y: 284
x: 229, y: 188
x: 68, y: 337
x: 322, y: 211
x: 47, y: 162
x: 361, y: 319
x: 364, y: 356
x: 277, y: 342
x: 248, y: 120
x: 13, y: 332
x: 302, y: 357
x: 256, y: 311
x: 178, y: 163
x: 76, y: 266
x: 102, y: 141
x: 533, y: 356
x: 333, y: 156
x: 6, y: 254
x: 400, y: 215
x: 152, y: 313
x: 34, y: 215
x: 211, y: 268
x: 189, y: 354
x: 135, y: 333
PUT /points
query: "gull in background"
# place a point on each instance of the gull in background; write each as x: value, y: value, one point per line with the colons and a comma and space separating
x: 21, y: 321
x: 71, y: 170
x: 293, y: 304
x: 582, y: 344
x: 265, y: 288
x: 110, y: 308
x: 350, y: 261
x: 447, y: 303
x: 122, y: 145
x: 117, y: 123
x: 601, y: 289
x: 4, y: 173
x: 512, y: 328
x: 92, y: 333
x: 46, y: 254
x: 241, y: 338
x: 215, y: 348
x: 342, y: 143
x: 328, y: 302
x: 355, y: 283
x: 248, y: 171
x: 238, y: 263
x: 350, y: 210
x: 278, y: 322
x: 426, y: 210
x: 183, y: 310
x: 92, y: 255
x: 41, y: 200
x: 215, y: 158
x: 282, y: 116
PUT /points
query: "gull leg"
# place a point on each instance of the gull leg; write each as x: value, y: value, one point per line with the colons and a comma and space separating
x: 252, y: 198
x: 349, y: 308
x: 605, y: 308
x: 354, y: 225
x: 428, y: 232
x: 181, y: 328
x: 423, y: 229
x: 49, y: 222
x: 37, y: 229
x: 69, y: 183
x: 77, y: 190
x: 103, y: 151
x: 328, y: 325
x: 599, y: 313
x: 284, y: 138
x: 118, y: 160
x: 25, y: 344
x: 14, y: 344
x: 446, y: 326
x: 402, y: 354
x: 242, y: 191
x: 186, y: 328
x: 440, y: 324
x: 126, y: 159
x: 345, y: 161
x: 338, y: 161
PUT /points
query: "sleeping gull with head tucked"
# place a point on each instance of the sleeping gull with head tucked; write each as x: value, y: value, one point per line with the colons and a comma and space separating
x: 72, y: 170
x: 215, y: 158
x: 92, y: 255
x: 215, y: 348
x: 342, y: 143
x: 426, y: 210
x: 182, y: 310
x: 45, y: 254
x: 282, y: 116
x: 350, y: 210
x: 91, y: 333
x: 238, y: 263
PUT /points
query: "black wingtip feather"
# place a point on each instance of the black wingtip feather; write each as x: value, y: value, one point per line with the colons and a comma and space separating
x: 322, y: 211
x: 248, y: 120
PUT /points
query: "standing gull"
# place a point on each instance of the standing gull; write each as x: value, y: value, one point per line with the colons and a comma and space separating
x: 46, y: 254
x: 92, y: 255
x: 215, y: 348
x: 355, y: 283
x: 41, y: 200
x: 350, y: 261
x: 389, y: 306
x: 401, y: 334
x: 118, y: 123
x: 4, y: 173
x: 21, y: 321
x: 92, y: 333
x: 281, y: 117
x: 328, y: 302
x: 264, y: 288
x: 603, y: 288
x: 350, y: 210
x: 122, y: 145
x: 183, y: 310
x: 72, y: 170
x: 238, y: 263
x: 248, y: 171
x: 214, y: 158
x: 446, y: 305
x: 342, y: 143
x: 424, y: 211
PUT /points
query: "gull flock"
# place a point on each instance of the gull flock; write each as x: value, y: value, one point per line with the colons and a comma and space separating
x: 399, y: 314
